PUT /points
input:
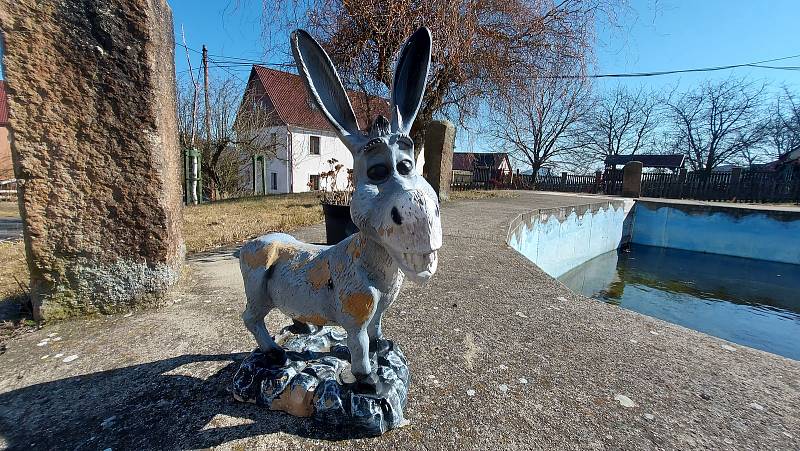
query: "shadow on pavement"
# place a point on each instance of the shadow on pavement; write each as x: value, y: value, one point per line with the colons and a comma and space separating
x: 153, y: 405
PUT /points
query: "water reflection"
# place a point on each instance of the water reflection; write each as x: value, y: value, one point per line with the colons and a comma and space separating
x: 752, y: 302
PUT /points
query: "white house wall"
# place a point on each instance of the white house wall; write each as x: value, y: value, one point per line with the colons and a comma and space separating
x: 305, y: 164
x: 273, y: 165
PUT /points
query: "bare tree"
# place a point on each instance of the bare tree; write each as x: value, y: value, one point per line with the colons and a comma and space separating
x: 718, y: 121
x: 480, y: 47
x: 784, y: 123
x: 237, y: 124
x: 620, y: 122
x: 537, y: 121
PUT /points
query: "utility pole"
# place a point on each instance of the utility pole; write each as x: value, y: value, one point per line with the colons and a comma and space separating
x: 208, y: 110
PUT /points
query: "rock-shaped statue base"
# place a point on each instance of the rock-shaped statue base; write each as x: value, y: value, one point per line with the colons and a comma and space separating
x: 316, y: 382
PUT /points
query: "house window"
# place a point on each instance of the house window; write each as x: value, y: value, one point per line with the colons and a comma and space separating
x: 314, y: 145
x: 274, y: 180
x: 313, y: 182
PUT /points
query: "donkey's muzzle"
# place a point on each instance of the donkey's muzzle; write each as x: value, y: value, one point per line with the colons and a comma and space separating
x: 410, y: 223
x: 412, y: 232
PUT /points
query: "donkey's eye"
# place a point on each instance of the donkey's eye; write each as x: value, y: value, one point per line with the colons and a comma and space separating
x: 404, y: 167
x: 405, y: 143
x: 378, y: 173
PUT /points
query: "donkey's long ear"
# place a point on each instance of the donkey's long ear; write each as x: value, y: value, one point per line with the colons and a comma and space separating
x: 409, y: 79
x: 325, y: 86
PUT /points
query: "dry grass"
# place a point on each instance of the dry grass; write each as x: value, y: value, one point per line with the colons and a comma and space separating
x: 476, y: 194
x: 14, y: 298
x: 204, y: 226
x: 14, y: 269
x: 226, y: 222
x: 9, y: 210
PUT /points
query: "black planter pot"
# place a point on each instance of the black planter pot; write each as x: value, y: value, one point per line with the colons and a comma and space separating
x: 338, y: 224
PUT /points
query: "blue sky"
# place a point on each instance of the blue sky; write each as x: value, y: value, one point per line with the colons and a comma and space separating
x: 653, y: 35
x: 678, y: 34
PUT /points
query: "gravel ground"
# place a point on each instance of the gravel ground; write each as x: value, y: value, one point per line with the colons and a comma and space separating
x: 502, y: 357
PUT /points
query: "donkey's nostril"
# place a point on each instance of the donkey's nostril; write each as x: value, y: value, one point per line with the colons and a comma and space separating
x: 404, y: 167
x: 396, y: 216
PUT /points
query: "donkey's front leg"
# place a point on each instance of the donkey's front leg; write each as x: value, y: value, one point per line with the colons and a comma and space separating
x: 376, y: 341
x: 358, y: 343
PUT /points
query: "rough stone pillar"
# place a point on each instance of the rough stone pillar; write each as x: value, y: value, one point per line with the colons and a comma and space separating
x: 93, y: 119
x: 736, y: 179
x: 439, y: 143
x: 682, y: 174
x: 632, y: 179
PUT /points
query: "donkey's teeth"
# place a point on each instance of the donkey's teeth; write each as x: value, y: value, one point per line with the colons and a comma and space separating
x: 419, y: 262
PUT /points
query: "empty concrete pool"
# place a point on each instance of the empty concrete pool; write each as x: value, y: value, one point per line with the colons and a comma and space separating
x: 731, y: 272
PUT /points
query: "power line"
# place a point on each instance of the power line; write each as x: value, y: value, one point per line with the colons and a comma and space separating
x: 238, y: 63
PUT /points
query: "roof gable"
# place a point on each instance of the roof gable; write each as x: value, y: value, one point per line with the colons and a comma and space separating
x: 293, y: 106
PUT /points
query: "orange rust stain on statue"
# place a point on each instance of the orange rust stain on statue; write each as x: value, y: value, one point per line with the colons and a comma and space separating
x: 315, y: 319
x: 266, y: 256
x: 358, y: 305
x: 354, y: 248
x: 339, y: 268
x: 319, y: 274
x: 295, y: 401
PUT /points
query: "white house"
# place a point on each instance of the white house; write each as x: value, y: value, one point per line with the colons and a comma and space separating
x: 302, y: 139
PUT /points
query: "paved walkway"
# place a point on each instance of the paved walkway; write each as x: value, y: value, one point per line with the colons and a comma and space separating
x: 10, y: 229
x: 503, y: 357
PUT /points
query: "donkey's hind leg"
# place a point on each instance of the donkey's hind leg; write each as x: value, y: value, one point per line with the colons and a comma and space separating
x: 253, y: 317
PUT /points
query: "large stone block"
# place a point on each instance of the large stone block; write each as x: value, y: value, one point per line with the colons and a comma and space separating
x: 632, y: 179
x: 439, y: 144
x: 93, y: 117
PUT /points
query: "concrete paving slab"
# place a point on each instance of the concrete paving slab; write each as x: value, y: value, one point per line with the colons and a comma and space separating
x: 502, y: 357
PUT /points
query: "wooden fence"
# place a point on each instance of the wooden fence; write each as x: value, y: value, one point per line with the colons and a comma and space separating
x: 738, y: 185
x: 8, y: 190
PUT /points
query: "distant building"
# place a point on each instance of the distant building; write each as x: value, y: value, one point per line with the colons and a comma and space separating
x: 788, y: 162
x: 469, y: 167
x: 673, y: 162
x: 300, y: 137
x: 6, y: 166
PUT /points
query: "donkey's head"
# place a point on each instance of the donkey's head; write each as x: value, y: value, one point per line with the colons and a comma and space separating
x: 392, y: 203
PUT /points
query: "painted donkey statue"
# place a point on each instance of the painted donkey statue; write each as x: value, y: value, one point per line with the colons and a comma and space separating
x: 397, y: 212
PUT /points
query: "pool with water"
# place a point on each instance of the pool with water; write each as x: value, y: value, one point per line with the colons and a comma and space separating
x: 751, y: 302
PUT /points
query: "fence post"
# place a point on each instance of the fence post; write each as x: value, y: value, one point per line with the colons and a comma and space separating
x: 632, y: 179
x: 563, y: 181
x: 736, y: 179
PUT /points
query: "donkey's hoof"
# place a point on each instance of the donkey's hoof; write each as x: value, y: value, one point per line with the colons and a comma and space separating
x: 366, y: 384
x: 275, y: 357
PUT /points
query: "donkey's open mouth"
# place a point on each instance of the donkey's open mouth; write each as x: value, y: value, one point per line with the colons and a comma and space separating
x: 419, y: 267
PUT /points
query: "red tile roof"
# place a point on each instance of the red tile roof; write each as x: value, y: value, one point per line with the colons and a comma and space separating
x: 3, y: 105
x: 293, y: 106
